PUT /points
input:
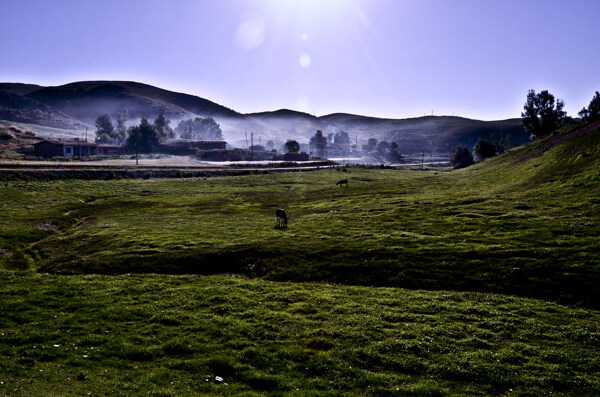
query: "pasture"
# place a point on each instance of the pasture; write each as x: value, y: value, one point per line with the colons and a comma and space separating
x: 163, y: 335
x: 334, y: 303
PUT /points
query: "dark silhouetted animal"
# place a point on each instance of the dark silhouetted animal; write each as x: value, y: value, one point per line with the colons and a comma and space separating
x: 282, y: 218
x: 342, y: 183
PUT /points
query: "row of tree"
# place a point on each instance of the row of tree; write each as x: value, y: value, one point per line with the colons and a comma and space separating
x: 108, y: 133
x: 318, y: 142
x: 199, y: 129
x: 542, y: 115
x: 158, y: 131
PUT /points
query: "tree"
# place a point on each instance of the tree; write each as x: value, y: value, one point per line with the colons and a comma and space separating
x: 292, y: 146
x: 341, y: 138
x: 104, y: 129
x: 394, y: 155
x: 484, y: 149
x: 199, y: 129
x: 461, y: 157
x: 383, y: 147
x: 161, y: 125
x: 121, y: 130
x: 271, y: 145
x: 541, y: 115
x: 188, y: 132
x: 592, y: 113
x: 371, y: 145
x: 144, y: 137
x: 319, y: 143
x: 209, y: 129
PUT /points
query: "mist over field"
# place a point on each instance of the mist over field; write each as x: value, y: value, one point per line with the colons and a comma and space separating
x: 77, y: 106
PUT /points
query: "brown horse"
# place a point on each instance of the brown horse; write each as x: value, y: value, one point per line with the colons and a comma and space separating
x: 342, y: 182
x: 282, y: 218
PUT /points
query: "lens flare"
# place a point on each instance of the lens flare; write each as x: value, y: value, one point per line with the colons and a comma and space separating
x: 305, y: 60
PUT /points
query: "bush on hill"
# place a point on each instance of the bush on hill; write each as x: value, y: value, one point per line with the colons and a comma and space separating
x: 461, y: 157
x: 484, y: 149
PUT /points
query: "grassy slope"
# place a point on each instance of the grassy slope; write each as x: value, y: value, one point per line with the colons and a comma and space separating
x: 464, y: 230
x: 166, y: 335
x: 163, y: 335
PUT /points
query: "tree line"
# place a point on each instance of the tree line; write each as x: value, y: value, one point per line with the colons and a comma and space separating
x: 383, y: 150
x: 542, y: 115
x: 145, y: 136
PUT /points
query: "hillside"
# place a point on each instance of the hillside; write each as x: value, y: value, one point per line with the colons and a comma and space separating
x: 19, y: 108
x: 463, y: 230
x: 434, y: 134
x: 86, y: 100
x: 76, y: 105
x: 405, y: 282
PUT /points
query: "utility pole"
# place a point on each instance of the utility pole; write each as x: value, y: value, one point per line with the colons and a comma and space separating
x: 252, y: 146
x: 137, y: 133
x: 86, y: 134
x: 246, y: 133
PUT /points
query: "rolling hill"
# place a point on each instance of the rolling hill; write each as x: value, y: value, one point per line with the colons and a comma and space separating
x: 76, y: 105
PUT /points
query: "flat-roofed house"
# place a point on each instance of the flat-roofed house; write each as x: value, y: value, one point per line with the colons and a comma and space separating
x: 70, y: 148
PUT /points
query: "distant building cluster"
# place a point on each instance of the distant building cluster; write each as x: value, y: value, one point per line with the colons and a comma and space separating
x: 80, y: 148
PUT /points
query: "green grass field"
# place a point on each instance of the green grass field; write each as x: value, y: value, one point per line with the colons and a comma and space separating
x: 322, y: 306
x: 172, y: 335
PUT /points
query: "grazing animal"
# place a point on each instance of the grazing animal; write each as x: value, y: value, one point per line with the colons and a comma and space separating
x: 342, y: 182
x: 282, y: 218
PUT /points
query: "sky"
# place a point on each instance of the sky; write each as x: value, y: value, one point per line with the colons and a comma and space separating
x: 383, y: 58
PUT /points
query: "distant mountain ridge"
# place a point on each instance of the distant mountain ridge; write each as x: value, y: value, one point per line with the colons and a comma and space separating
x: 77, y: 105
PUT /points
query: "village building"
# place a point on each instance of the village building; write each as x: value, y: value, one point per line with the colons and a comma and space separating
x: 80, y: 148
x: 187, y: 148
x: 70, y: 148
x: 110, y: 150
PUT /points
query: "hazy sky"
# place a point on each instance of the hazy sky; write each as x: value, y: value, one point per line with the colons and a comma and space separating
x: 387, y: 58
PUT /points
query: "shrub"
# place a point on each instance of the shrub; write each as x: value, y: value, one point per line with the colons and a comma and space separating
x: 461, y: 157
x: 484, y: 149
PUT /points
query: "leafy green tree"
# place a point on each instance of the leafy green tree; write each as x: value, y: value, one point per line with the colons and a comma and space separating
x: 592, y: 113
x: 143, y: 138
x: 461, y: 157
x: 319, y: 144
x: 542, y: 114
x: 484, y: 149
x: 292, y: 146
x: 161, y: 124
x: 104, y: 129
